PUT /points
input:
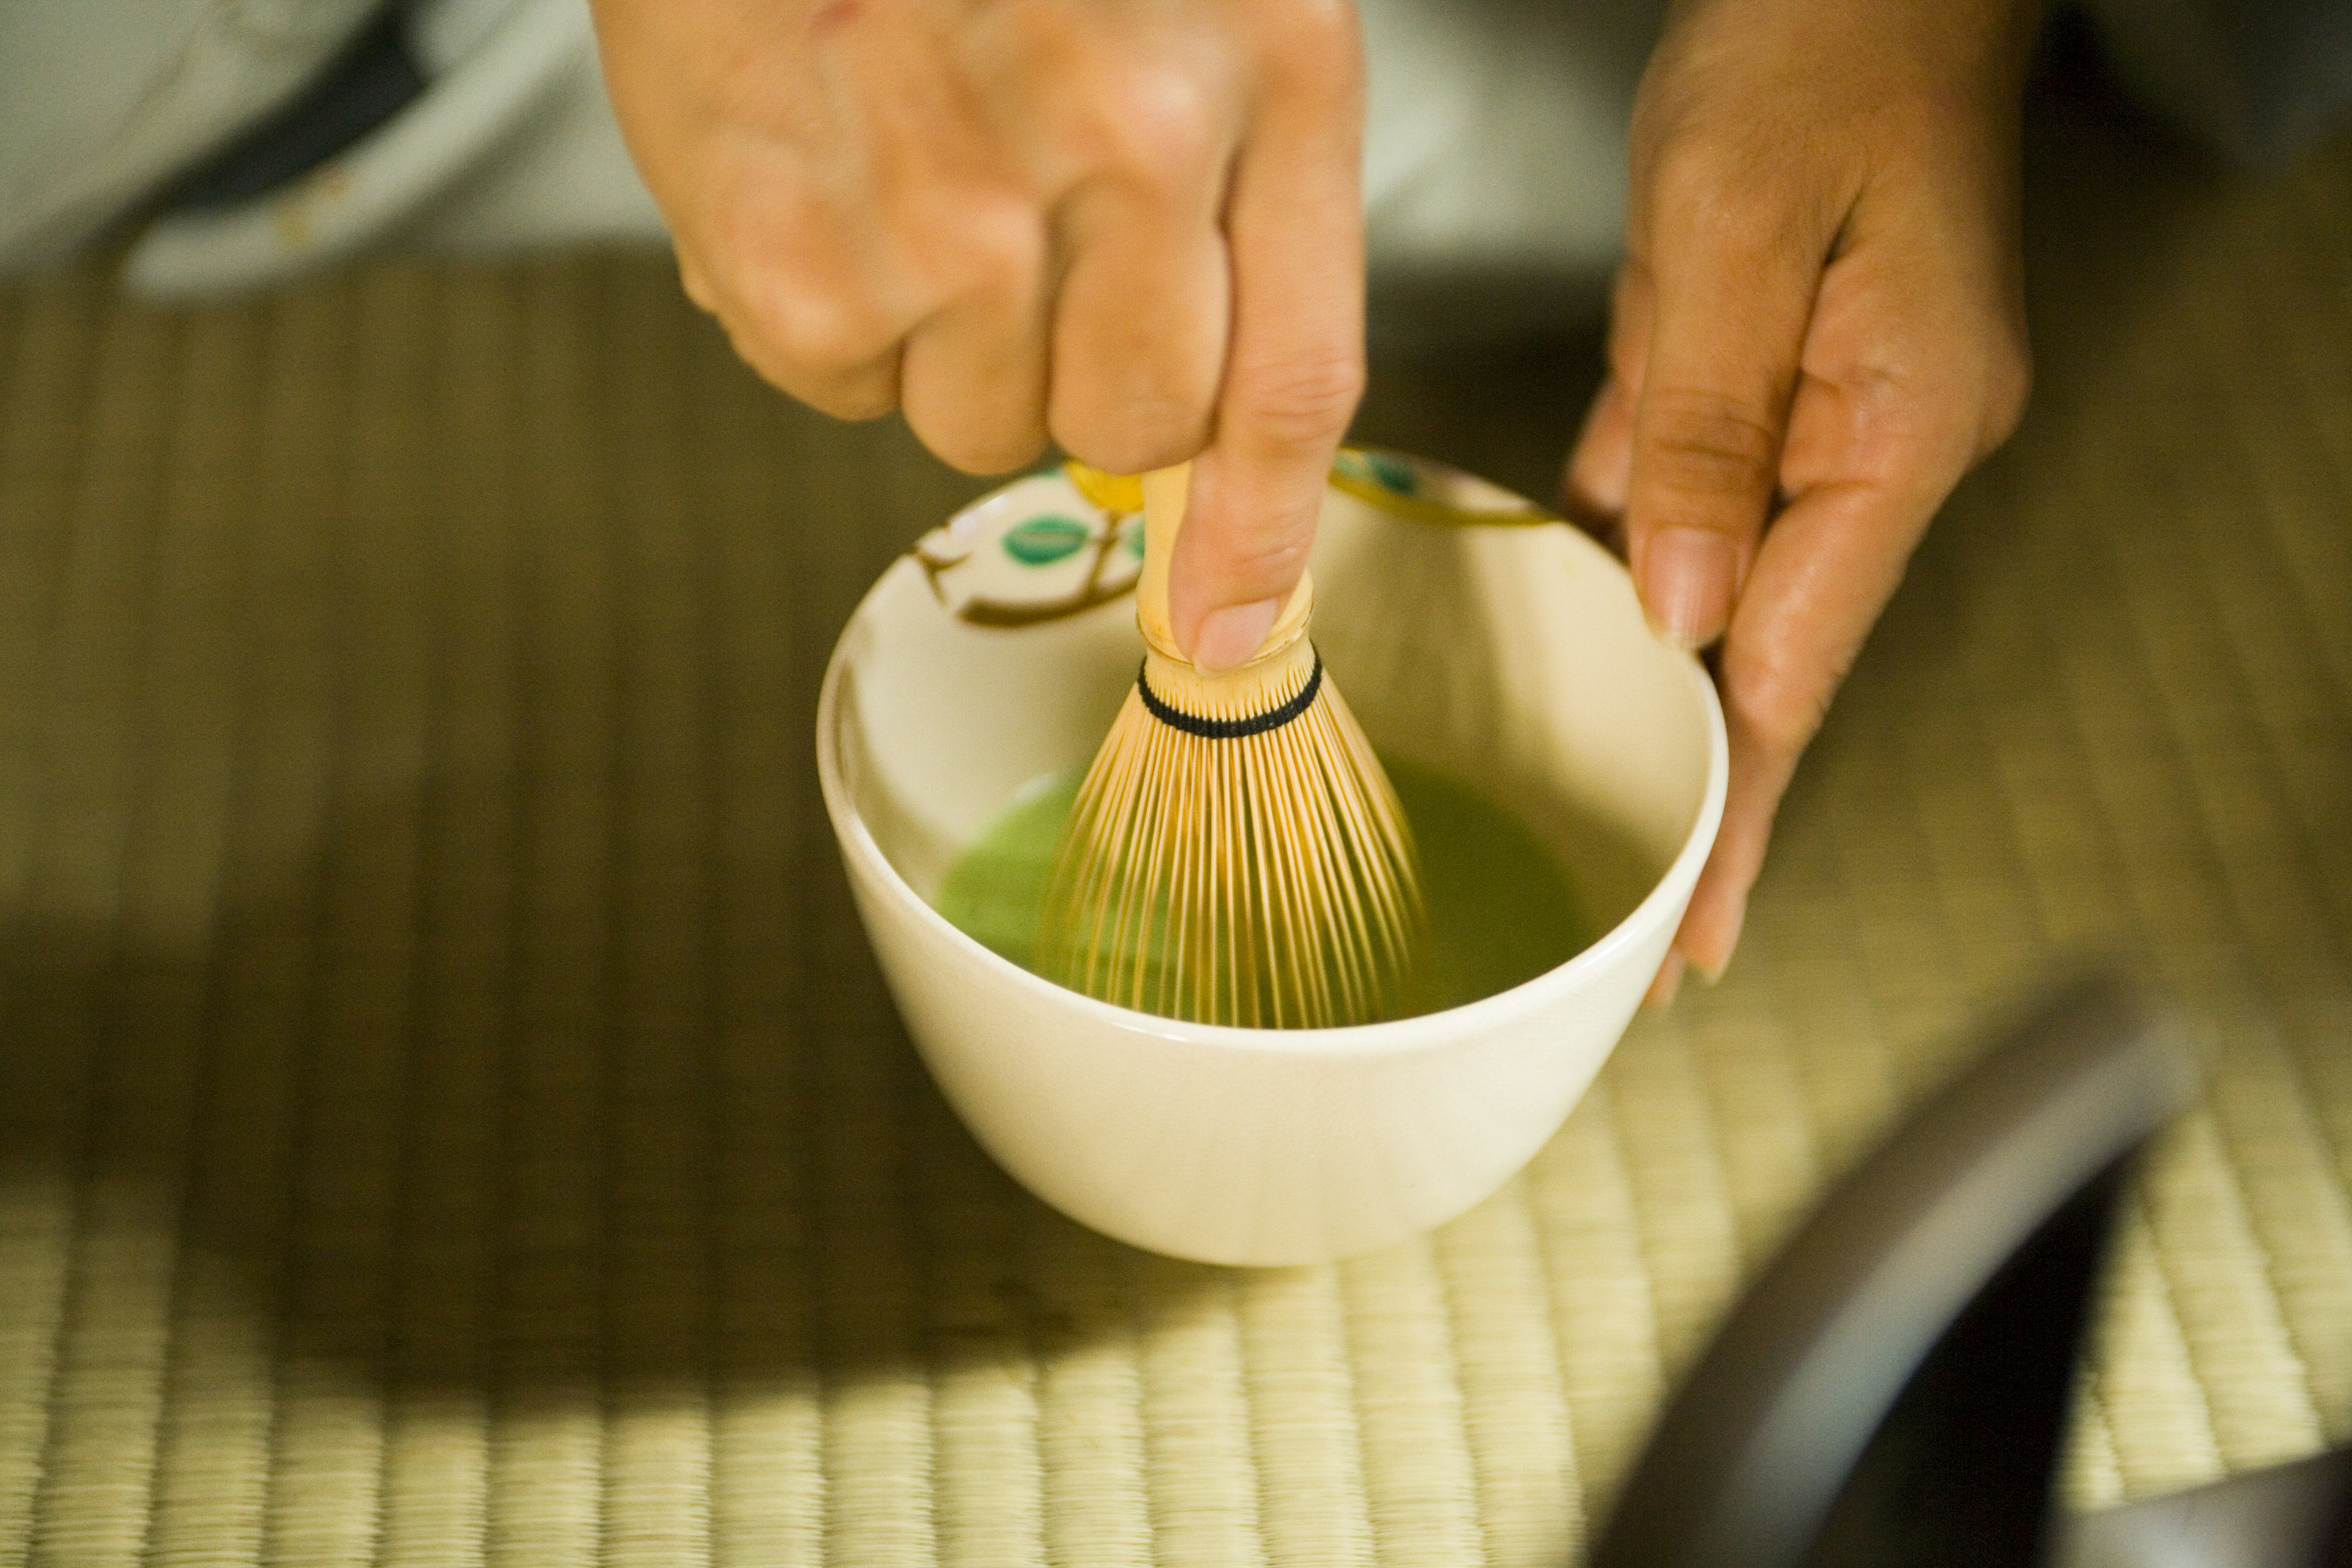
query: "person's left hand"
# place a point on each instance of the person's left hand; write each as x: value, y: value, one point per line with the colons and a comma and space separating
x: 1817, y: 328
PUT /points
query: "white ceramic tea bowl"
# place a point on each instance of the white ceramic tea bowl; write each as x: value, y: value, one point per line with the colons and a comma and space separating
x: 1471, y: 634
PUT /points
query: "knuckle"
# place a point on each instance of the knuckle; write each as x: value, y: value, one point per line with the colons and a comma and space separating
x: 1776, y: 695
x: 820, y: 329
x: 1302, y: 402
x: 867, y: 393
x: 1312, y: 41
x: 1154, y: 124
x: 2009, y: 387
x: 1272, y: 551
x: 998, y: 253
x: 1735, y: 196
x: 697, y: 285
x: 989, y: 450
x: 1962, y: 400
x: 1146, y: 424
x: 865, y: 398
x: 1117, y: 447
x: 1706, y: 186
x: 1708, y: 444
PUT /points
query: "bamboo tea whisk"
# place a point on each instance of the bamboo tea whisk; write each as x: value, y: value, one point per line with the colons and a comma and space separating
x: 1235, y: 854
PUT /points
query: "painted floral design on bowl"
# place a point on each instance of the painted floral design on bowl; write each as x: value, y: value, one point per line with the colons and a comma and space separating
x: 1045, y: 547
x: 1035, y: 551
x: 1426, y: 490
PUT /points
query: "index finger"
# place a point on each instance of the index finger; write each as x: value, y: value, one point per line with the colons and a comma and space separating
x: 1295, y: 368
x: 1733, y: 275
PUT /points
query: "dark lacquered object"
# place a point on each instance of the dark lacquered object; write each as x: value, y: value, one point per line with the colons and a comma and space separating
x: 1893, y: 1392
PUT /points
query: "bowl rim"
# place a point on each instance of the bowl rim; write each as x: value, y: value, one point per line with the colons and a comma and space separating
x: 1671, y: 890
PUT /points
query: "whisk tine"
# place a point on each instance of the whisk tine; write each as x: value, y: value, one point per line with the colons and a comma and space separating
x: 1235, y: 854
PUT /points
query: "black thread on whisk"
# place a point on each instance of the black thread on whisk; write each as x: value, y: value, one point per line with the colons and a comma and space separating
x: 1232, y: 729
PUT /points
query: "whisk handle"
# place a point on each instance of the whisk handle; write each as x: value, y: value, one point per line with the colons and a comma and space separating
x: 1165, y: 491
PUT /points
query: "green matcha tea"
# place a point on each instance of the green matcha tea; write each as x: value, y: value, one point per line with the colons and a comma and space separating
x: 1500, y: 909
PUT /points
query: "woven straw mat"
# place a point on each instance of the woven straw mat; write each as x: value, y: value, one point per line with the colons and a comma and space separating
x: 448, y: 1109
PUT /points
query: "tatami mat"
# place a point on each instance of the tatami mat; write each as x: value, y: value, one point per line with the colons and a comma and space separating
x: 447, y: 1111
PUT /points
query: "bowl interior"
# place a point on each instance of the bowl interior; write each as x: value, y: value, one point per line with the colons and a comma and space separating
x: 1510, y: 655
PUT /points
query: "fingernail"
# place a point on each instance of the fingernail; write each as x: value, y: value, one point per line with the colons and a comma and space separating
x: 1687, y: 583
x: 1669, y: 979
x: 1228, y: 636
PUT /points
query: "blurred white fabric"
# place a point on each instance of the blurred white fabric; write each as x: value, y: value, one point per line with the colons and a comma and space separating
x: 509, y: 145
x: 1494, y: 158
x: 1495, y: 150
x: 106, y: 99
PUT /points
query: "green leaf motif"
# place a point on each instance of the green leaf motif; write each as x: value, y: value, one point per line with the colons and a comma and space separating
x: 1042, y: 540
x: 1394, y: 473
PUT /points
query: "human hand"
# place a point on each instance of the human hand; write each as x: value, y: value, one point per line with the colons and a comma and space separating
x: 1817, y: 328
x: 1131, y: 225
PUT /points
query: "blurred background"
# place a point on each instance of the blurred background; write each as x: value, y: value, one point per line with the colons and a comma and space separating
x: 447, y: 1107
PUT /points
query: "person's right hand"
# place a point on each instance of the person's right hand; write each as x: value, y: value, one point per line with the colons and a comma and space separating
x: 1132, y: 225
